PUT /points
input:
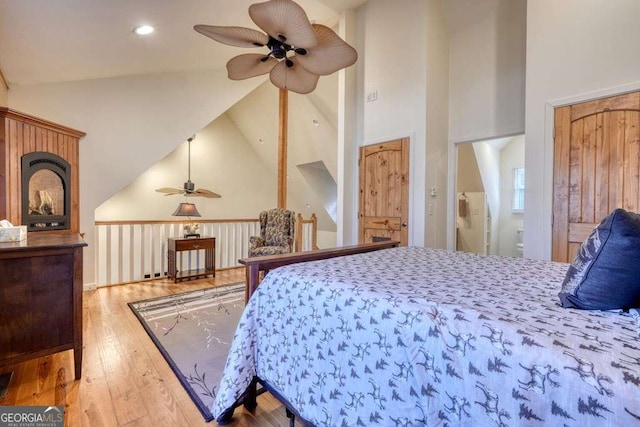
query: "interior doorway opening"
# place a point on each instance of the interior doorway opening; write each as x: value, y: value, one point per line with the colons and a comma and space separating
x: 489, y: 207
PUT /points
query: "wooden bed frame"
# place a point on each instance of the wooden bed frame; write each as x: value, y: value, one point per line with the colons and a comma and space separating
x: 253, y: 266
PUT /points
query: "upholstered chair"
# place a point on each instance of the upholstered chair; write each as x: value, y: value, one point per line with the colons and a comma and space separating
x: 277, y: 227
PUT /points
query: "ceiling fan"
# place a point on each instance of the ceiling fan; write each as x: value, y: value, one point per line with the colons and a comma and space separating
x: 299, y: 51
x: 189, y: 189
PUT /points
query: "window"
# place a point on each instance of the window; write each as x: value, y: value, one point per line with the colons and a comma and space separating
x: 517, y: 204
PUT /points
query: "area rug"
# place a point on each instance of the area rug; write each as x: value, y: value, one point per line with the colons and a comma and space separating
x: 193, y: 331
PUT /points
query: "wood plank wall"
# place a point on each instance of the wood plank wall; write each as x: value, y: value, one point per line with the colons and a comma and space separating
x: 21, y: 134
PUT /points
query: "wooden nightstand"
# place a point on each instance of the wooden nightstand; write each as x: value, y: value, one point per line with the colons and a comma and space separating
x: 177, y: 245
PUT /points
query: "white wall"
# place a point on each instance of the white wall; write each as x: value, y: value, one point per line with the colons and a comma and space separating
x: 487, y: 75
x: 3, y: 94
x: 221, y: 161
x: 437, y: 121
x: 393, y: 63
x: 574, y: 48
x: 488, y: 158
x: 487, y: 63
x: 348, y: 125
x: 472, y: 227
x: 511, y: 156
x: 131, y: 123
x: 256, y: 117
x: 468, y: 175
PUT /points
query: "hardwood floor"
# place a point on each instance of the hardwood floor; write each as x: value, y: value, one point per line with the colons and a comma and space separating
x: 125, y: 380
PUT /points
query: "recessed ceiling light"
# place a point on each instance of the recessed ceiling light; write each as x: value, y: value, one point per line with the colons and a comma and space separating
x: 143, y: 30
x: 316, y: 123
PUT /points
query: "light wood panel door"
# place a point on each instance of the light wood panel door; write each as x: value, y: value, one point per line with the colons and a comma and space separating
x: 384, y: 191
x: 596, y: 167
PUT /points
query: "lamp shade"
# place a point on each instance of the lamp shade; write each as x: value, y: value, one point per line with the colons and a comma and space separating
x: 186, y: 209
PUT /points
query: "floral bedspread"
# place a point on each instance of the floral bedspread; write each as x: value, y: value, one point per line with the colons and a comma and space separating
x: 415, y: 336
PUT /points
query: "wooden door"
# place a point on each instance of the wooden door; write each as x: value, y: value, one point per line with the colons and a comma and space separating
x: 384, y: 191
x: 596, y: 167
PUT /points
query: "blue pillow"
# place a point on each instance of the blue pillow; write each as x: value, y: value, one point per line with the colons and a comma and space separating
x: 605, y: 274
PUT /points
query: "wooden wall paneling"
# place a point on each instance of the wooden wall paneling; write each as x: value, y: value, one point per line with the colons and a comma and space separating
x: 361, y: 190
x: 47, y: 144
x: 30, y: 138
x: 39, y: 138
x: 632, y: 166
x: 3, y: 169
x: 22, y: 134
x: 72, y: 158
x: 52, y: 140
x: 14, y: 149
x: 63, y: 140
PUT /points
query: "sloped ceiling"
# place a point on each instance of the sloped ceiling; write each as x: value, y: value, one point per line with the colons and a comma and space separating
x: 73, y: 40
x: 312, y: 137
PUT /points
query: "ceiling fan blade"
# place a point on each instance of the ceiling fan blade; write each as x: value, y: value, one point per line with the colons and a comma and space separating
x: 207, y: 193
x: 234, y: 36
x: 285, y: 21
x: 169, y: 191
x: 249, y: 65
x: 294, y: 78
x: 330, y: 55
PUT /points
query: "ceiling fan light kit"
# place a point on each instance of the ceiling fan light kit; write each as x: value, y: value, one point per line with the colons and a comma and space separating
x: 299, y: 52
x: 189, y: 189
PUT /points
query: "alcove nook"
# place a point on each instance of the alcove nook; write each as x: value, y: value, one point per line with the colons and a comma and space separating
x: 39, y: 182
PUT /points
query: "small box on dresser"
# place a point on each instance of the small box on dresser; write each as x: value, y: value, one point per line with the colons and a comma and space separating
x: 13, y: 234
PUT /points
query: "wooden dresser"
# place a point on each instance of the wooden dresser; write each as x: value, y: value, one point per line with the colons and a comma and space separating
x: 41, y: 298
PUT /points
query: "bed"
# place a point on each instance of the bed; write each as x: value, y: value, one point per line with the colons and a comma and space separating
x: 416, y: 336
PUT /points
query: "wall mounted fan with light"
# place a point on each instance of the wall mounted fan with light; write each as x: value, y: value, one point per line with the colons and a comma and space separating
x: 299, y: 52
x: 189, y: 189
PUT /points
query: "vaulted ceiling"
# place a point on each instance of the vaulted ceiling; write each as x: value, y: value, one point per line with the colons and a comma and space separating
x: 67, y: 40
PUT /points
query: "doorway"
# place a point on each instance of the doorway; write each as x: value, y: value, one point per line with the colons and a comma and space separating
x: 596, y: 163
x: 384, y: 192
x: 489, y: 207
